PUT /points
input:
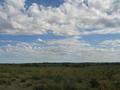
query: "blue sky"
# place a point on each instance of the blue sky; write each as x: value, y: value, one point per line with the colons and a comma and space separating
x: 46, y: 3
x: 54, y: 3
x: 59, y: 31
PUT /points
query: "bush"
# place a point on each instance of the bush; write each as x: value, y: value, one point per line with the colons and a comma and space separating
x: 94, y: 83
x: 5, y: 82
x: 39, y: 87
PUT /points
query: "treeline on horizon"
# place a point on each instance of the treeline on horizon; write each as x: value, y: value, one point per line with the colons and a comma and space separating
x: 66, y: 64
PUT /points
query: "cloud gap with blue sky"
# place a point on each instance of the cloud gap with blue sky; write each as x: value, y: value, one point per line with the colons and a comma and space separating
x: 59, y: 31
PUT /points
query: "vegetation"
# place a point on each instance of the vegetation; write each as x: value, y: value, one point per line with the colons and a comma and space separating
x: 64, y: 76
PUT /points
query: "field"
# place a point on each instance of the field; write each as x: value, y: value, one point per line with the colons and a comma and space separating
x: 64, y: 76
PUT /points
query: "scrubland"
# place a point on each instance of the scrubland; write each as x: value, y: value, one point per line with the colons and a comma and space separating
x: 62, y: 76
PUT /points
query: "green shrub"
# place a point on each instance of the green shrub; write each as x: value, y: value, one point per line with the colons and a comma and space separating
x: 39, y: 87
x: 94, y: 83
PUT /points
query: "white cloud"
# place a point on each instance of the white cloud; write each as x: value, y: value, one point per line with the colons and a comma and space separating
x: 66, y: 50
x: 4, y: 41
x: 67, y: 46
x: 39, y: 40
x: 111, y: 43
x: 71, y: 18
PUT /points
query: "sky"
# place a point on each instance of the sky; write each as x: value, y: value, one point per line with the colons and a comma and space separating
x: 34, y: 31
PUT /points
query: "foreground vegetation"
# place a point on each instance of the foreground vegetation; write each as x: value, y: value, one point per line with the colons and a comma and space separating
x: 64, y: 76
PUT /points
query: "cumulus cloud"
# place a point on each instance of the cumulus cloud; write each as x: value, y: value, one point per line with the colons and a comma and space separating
x: 111, y: 43
x: 70, y: 49
x: 73, y: 17
x: 67, y: 46
x: 6, y: 41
